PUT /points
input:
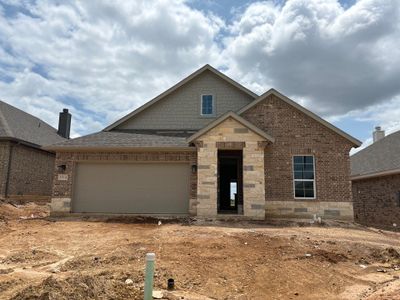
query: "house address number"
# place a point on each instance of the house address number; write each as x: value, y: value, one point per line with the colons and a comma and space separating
x: 63, y: 177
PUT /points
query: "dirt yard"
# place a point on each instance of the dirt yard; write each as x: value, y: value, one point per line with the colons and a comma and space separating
x: 91, y: 259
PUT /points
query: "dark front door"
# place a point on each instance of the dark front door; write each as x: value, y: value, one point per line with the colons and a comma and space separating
x: 230, y: 189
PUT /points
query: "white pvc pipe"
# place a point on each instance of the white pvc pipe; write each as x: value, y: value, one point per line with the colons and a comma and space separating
x: 149, y: 276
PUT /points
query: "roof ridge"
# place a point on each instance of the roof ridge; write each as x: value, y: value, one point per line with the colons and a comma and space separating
x: 377, y: 143
x: 178, y: 85
x: 304, y: 110
x: 4, y: 122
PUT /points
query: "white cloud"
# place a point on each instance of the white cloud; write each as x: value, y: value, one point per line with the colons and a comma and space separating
x: 107, y: 58
x: 102, y: 60
x: 338, y: 59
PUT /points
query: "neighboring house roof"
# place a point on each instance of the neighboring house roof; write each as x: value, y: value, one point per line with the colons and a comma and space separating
x: 177, y: 86
x: 356, y: 142
x: 18, y: 125
x: 234, y: 116
x: 380, y: 158
x: 115, y: 140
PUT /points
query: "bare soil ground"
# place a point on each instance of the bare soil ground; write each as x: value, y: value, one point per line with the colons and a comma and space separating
x: 91, y: 259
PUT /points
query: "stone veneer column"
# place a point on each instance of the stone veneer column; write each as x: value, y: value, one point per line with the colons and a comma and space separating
x: 62, y: 184
x: 207, y: 157
x: 253, y: 181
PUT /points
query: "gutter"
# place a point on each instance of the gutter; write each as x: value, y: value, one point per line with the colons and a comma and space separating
x: 117, y: 149
x: 373, y: 175
x: 25, y: 143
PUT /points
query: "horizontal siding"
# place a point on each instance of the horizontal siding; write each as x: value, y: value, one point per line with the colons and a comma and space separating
x: 181, y: 109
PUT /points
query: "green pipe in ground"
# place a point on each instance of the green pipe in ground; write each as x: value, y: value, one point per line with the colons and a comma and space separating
x: 149, y: 276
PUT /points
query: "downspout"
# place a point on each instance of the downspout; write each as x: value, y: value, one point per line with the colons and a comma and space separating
x: 8, y: 170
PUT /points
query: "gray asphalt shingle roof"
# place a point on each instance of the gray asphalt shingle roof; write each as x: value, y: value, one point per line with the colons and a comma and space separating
x: 115, y: 139
x: 383, y: 155
x: 17, y: 124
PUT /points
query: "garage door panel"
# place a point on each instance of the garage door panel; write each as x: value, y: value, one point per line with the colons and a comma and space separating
x: 131, y: 188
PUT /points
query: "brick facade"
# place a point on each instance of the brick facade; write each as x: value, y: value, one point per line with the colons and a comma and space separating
x: 376, y: 201
x: 267, y: 167
x: 298, y: 134
x: 63, y: 189
x: 29, y: 172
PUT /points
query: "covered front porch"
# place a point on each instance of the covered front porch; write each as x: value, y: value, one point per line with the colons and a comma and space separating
x: 230, y: 158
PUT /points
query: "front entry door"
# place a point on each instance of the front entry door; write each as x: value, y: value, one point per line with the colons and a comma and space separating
x: 230, y: 183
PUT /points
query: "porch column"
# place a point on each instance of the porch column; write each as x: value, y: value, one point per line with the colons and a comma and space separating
x: 254, y: 181
x: 207, y: 168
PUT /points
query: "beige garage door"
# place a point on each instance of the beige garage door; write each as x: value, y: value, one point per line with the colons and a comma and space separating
x: 140, y: 188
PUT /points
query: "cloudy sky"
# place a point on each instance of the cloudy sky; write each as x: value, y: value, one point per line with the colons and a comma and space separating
x: 102, y: 59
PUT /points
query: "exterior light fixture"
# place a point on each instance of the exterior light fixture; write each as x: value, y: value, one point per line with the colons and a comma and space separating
x: 61, y: 168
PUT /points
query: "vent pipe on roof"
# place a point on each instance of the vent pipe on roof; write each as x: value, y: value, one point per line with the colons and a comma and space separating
x: 378, y: 134
x: 64, y: 123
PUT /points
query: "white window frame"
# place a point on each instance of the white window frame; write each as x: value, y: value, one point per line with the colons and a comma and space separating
x: 314, y: 180
x: 213, y: 106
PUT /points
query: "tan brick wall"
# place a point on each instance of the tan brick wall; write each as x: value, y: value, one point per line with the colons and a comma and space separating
x: 297, y: 134
x: 376, y: 201
x: 30, y: 171
x: 63, y: 189
x: 231, y: 132
x: 307, y: 209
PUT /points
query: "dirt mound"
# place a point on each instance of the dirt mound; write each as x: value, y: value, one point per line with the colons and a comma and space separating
x: 35, y: 256
x: 93, y: 260
x: 88, y: 261
x: 6, y: 271
x: 331, y: 257
x: 324, y: 256
x: 8, y: 284
x: 385, y: 255
x: 81, y: 287
x: 27, y: 211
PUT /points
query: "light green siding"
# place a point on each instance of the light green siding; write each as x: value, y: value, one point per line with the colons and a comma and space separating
x: 181, y: 109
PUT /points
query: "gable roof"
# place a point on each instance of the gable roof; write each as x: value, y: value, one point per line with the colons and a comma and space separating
x: 234, y: 116
x: 207, y: 67
x: 353, y: 140
x: 18, y: 125
x: 380, y: 158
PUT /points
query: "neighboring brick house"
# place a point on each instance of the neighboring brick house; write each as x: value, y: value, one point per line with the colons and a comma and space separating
x: 209, y: 147
x: 26, y: 170
x: 375, y: 174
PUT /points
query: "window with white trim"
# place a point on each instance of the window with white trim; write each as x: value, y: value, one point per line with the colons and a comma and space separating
x: 304, y: 176
x: 207, y: 105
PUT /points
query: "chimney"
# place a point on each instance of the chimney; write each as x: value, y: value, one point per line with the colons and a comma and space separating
x: 64, y: 123
x: 378, y: 134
